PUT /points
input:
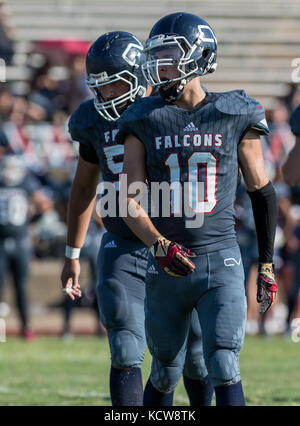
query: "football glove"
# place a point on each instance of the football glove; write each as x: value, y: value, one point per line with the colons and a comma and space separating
x: 173, y: 257
x: 266, y: 286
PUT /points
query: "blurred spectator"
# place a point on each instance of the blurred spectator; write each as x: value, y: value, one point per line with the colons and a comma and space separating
x: 50, y: 231
x: 6, y: 104
x: 46, y: 91
x: 293, y: 98
x: 40, y: 108
x: 57, y: 145
x: 75, y: 87
x: 42, y: 142
x: 281, y: 139
x: 16, y: 133
x: 21, y: 200
x: 6, y: 35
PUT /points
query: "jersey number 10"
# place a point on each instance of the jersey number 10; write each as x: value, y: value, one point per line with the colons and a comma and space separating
x: 200, y: 201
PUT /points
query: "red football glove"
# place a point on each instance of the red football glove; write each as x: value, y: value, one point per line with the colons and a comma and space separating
x: 266, y: 286
x: 173, y: 257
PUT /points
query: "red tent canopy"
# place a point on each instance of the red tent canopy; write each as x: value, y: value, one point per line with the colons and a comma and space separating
x: 71, y: 46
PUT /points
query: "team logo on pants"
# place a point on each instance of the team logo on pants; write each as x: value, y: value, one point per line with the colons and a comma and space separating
x: 231, y: 261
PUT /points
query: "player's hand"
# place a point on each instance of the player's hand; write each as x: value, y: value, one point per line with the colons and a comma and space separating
x: 173, y: 257
x: 266, y: 286
x: 69, y: 278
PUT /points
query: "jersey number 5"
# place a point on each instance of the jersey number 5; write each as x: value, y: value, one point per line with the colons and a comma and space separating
x: 114, y: 160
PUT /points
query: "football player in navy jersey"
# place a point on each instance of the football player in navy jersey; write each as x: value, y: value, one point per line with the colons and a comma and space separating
x: 19, y: 190
x: 190, y: 135
x: 115, y: 76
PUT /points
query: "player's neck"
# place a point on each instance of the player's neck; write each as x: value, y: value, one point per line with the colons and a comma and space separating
x: 192, y: 95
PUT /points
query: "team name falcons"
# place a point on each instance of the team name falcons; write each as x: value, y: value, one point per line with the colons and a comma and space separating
x: 195, y: 139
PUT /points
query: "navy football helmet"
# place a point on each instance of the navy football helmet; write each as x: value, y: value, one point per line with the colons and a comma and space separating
x: 115, y: 56
x: 184, y: 40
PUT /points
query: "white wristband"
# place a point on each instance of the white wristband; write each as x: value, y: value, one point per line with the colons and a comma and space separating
x: 72, y: 252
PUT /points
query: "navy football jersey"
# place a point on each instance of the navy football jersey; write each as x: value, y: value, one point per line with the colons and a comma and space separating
x: 295, y: 121
x: 87, y: 127
x: 14, y: 205
x: 190, y: 146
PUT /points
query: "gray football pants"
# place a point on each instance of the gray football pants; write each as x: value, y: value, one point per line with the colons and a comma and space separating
x: 216, y: 291
x: 121, y: 296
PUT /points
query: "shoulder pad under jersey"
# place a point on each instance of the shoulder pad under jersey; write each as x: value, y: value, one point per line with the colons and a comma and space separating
x: 84, y: 116
x: 141, y: 108
x: 236, y: 102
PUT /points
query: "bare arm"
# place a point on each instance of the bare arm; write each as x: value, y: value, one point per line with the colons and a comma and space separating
x: 80, y: 208
x: 291, y: 168
x: 135, y: 170
x: 81, y: 202
x: 252, y: 162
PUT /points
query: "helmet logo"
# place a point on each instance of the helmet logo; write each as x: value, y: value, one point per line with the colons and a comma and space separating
x: 131, y: 53
x: 201, y: 34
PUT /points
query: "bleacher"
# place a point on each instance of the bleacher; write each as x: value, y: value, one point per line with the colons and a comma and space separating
x: 257, y: 40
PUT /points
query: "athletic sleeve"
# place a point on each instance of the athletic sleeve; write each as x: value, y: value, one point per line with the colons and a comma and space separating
x: 264, y: 205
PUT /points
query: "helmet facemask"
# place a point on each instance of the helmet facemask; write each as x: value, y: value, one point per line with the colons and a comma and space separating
x: 112, y: 109
x: 191, y: 60
x: 165, y: 51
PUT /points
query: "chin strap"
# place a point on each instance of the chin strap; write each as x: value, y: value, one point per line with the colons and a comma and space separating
x: 173, y: 93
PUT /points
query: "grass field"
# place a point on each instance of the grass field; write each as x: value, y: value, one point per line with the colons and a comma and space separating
x: 52, y: 372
